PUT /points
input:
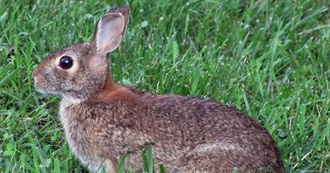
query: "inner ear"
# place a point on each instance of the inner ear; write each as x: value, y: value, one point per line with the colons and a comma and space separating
x: 109, y: 32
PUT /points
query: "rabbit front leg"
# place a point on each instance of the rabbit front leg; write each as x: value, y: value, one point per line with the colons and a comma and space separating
x: 111, y: 165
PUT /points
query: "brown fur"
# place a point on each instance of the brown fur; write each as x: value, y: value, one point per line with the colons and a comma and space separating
x: 102, y: 119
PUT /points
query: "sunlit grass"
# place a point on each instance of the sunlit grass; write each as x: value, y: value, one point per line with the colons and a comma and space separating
x: 267, y: 58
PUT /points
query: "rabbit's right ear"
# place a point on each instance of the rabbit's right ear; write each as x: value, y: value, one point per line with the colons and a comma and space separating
x: 110, y: 30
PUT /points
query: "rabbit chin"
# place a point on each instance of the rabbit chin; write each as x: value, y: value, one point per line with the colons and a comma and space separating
x: 46, y: 91
x: 72, y: 100
x: 66, y: 97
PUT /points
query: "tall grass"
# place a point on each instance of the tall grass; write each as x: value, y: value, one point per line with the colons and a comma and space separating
x: 267, y: 58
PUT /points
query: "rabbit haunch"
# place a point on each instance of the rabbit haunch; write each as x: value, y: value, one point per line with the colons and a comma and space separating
x: 102, y: 119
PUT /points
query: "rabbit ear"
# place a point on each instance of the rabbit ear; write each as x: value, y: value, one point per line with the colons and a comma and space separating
x: 111, y: 29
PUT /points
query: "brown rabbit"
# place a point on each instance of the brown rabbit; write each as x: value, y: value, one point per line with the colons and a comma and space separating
x: 102, y: 119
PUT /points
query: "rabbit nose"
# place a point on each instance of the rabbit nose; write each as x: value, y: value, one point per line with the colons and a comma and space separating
x: 33, y: 77
x: 34, y: 80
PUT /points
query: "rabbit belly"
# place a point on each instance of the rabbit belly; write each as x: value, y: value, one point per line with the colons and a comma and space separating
x: 214, y: 156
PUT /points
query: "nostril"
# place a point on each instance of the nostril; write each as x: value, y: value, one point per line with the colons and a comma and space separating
x: 33, y: 79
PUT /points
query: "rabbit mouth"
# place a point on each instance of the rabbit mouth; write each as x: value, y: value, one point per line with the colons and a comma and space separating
x: 54, y: 93
x: 40, y: 87
x: 46, y: 91
x: 51, y: 92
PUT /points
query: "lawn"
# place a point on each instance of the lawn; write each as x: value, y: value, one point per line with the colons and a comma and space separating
x: 270, y: 59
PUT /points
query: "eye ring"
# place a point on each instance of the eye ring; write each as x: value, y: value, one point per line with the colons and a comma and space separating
x: 66, y: 62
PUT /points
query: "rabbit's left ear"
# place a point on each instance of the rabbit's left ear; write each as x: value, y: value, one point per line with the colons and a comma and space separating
x: 110, y: 30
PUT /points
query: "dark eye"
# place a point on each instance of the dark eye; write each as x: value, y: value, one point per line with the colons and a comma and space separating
x: 66, y: 62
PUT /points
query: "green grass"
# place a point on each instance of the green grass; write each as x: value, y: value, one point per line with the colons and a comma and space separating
x: 267, y: 58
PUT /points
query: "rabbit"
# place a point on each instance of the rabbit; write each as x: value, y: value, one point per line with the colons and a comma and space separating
x: 102, y: 119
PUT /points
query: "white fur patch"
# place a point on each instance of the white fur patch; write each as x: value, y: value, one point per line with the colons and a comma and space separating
x: 217, y: 146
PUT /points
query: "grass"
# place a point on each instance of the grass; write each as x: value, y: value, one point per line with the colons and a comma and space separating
x: 267, y: 58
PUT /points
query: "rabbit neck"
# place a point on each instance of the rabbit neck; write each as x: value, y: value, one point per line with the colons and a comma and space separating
x: 117, y: 92
x: 109, y: 85
x: 109, y: 88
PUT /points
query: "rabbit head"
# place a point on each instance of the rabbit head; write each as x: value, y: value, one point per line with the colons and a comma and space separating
x: 79, y: 71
